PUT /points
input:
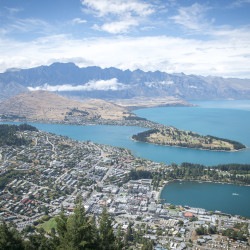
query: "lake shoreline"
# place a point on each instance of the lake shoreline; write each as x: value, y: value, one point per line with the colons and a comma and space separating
x: 225, y: 123
x: 203, y: 206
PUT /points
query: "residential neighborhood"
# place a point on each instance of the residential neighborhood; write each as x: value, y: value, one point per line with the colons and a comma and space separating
x: 47, y: 175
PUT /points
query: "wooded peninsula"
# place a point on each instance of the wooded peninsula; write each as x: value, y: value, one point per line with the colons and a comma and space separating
x: 174, y: 137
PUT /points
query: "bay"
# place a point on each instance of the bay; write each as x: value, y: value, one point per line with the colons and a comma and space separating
x: 225, y: 119
x: 227, y: 198
x: 218, y: 118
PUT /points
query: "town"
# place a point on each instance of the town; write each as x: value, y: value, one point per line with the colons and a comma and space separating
x: 38, y: 179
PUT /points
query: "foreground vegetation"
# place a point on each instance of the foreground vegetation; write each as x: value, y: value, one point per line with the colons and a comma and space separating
x: 174, y: 137
x: 76, y: 231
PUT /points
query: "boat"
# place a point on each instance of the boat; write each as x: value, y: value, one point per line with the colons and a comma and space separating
x: 235, y: 194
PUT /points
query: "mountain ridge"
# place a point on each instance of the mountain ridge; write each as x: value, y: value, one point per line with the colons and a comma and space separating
x: 113, y: 83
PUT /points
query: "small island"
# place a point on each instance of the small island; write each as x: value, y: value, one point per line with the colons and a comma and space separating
x: 174, y: 137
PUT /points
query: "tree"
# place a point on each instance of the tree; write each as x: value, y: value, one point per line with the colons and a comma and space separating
x: 107, y: 237
x: 128, y: 238
x: 40, y: 242
x: 180, y: 223
x: 148, y: 245
x: 212, y: 230
x: 79, y: 233
x: 201, y: 230
x: 10, y: 239
x: 61, y: 223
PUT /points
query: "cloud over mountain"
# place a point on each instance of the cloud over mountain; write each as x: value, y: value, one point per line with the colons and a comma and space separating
x: 92, y: 85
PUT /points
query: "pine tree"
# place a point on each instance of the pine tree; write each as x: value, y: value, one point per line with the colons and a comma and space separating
x: 10, y: 239
x: 61, y: 223
x: 40, y: 242
x: 107, y: 237
x: 129, y: 234
x: 78, y: 234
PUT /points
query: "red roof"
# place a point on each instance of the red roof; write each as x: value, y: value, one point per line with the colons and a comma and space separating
x: 27, y: 202
x: 188, y: 214
x: 24, y: 200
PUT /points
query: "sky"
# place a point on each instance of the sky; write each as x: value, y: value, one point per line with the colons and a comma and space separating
x: 208, y: 37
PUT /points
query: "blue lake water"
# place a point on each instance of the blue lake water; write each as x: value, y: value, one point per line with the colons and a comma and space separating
x: 232, y: 199
x: 226, y: 119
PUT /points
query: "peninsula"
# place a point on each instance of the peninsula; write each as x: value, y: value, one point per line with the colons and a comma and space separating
x: 47, y: 107
x: 174, y: 137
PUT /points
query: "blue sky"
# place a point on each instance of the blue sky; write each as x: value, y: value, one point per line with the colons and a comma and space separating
x: 209, y: 37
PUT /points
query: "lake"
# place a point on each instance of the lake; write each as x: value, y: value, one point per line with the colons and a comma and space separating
x: 226, y: 119
x: 227, y: 198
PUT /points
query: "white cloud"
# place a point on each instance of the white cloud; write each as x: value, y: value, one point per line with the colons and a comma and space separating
x: 119, y: 26
x: 192, y: 17
x: 224, y: 56
x: 26, y: 25
x: 104, y: 85
x: 78, y: 20
x: 13, y: 10
x: 239, y: 3
x: 118, y: 7
x: 118, y: 16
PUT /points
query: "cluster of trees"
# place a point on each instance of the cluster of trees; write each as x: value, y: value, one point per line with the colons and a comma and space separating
x: 235, y: 168
x: 236, y: 173
x: 8, y: 134
x: 239, y: 232
x: 204, y: 231
x: 236, y: 145
x: 13, y: 117
x: 140, y: 174
x: 76, y: 110
x: 77, y: 232
x: 236, y: 235
x: 135, y: 118
x: 142, y: 137
x: 9, y: 176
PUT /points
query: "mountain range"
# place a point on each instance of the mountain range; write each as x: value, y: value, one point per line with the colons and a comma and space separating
x: 111, y: 83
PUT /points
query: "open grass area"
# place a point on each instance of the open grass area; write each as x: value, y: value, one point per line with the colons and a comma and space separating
x: 48, y: 225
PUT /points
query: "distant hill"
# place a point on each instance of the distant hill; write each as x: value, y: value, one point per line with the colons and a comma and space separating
x: 112, y: 83
x: 49, y: 107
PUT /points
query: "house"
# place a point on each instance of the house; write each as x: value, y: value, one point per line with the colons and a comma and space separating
x: 189, y: 215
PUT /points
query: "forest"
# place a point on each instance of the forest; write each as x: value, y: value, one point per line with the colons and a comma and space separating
x: 8, y: 134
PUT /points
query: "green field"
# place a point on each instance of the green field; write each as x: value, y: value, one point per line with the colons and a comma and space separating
x: 48, y: 225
